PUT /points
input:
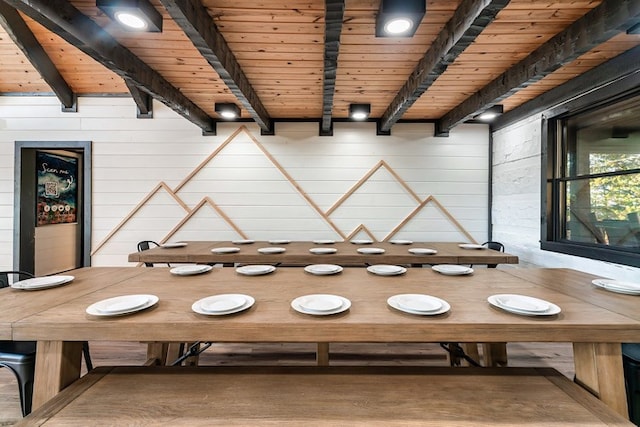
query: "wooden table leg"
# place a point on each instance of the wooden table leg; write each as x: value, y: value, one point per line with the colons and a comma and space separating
x: 157, y: 353
x: 58, y: 364
x: 494, y: 354
x: 599, y: 369
x: 322, y: 354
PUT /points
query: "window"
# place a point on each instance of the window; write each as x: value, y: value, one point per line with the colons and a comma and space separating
x: 592, y: 191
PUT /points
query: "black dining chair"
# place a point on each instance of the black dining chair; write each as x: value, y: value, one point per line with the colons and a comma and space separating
x: 496, y: 246
x: 145, y: 245
x: 20, y: 356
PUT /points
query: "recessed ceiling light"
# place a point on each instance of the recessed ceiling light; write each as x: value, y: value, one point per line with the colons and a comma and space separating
x: 134, y: 15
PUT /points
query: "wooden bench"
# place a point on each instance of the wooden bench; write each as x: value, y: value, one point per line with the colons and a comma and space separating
x: 331, y: 396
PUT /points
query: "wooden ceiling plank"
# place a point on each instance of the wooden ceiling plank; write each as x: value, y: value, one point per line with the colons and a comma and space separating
x: 22, y: 36
x: 467, y: 23
x: 60, y: 17
x: 600, y: 24
x: 334, y: 15
x: 199, y: 26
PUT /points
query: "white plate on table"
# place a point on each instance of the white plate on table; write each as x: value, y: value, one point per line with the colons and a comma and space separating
x: 272, y: 250
x: 386, y: 270
x: 190, y: 269
x: 174, y: 245
x: 362, y: 241
x: 321, y: 251
x: 423, y: 251
x: 243, y: 242
x: 619, y: 286
x: 452, y: 269
x: 401, y: 242
x: 324, y: 242
x: 223, y: 304
x: 523, y: 305
x: 320, y: 304
x: 323, y: 269
x: 471, y: 246
x: 120, y: 305
x: 420, y: 304
x: 279, y: 242
x: 255, y: 270
x: 225, y: 250
x: 371, y: 250
x: 43, y: 282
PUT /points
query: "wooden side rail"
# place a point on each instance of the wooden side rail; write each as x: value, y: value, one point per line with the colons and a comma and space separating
x: 324, y: 396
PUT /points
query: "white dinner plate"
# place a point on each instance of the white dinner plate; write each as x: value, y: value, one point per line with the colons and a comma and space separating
x: 220, y: 305
x: 323, y: 269
x: 423, y: 305
x: 243, y: 242
x: 279, y: 242
x: 272, y: 250
x: 362, y: 241
x: 386, y: 270
x: 255, y: 270
x: 174, y: 245
x: 423, y: 251
x: 320, y: 251
x: 190, y: 269
x: 320, y: 304
x: 43, y: 282
x: 227, y: 250
x: 121, y: 305
x: 497, y: 300
x: 452, y: 269
x: 618, y: 286
x: 522, y: 303
x: 371, y: 250
x: 401, y: 242
x: 324, y: 242
x: 471, y: 246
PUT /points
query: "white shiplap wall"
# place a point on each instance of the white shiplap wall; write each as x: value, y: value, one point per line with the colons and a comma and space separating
x: 133, y: 156
x: 516, y: 202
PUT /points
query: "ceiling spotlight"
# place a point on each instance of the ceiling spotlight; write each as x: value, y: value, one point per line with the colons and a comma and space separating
x: 359, y: 111
x: 228, y: 111
x: 399, y: 18
x: 490, y: 113
x: 134, y: 15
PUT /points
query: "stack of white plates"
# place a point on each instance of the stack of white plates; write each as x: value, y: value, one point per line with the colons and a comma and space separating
x: 618, y: 286
x: 323, y: 269
x: 401, y: 242
x: 424, y: 305
x: 44, y: 282
x: 320, y: 304
x: 242, y: 242
x: 452, y: 269
x: 320, y: 251
x: 362, y: 241
x: 121, y: 305
x: 279, y: 242
x: 272, y: 250
x: 190, y: 269
x: 324, y: 242
x: 371, y: 250
x: 523, y: 305
x: 228, y: 250
x: 386, y: 270
x: 471, y: 246
x: 255, y: 270
x: 174, y: 245
x: 220, y: 305
x: 423, y: 251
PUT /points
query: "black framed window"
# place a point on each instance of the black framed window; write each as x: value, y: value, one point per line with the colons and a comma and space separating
x: 591, y: 195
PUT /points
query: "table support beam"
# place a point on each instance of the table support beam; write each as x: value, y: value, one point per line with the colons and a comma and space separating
x: 55, y: 356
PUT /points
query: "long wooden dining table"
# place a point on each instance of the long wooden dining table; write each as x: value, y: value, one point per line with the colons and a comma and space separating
x: 299, y: 253
x: 58, y: 320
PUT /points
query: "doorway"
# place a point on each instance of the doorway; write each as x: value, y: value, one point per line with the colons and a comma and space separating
x: 52, y: 206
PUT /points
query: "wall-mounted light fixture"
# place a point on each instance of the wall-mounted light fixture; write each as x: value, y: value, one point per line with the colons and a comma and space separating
x: 228, y: 111
x: 359, y: 111
x: 490, y: 113
x: 399, y: 18
x: 134, y: 15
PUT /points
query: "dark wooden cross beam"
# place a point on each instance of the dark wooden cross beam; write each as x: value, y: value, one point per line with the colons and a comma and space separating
x: 199, y: 26
x: 142, y: 99
x: 468, y: 21
x: 598, y: 25
x: 33, y: 50
x: 60, y: 17
x: 334, y: 14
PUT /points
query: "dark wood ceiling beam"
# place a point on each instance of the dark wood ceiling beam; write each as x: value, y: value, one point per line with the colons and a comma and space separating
x: 467, y: 22
x: 77, y: 29
x: 333, y: 18
x: 600, y: 24
x: 198, y: 25
x: 142, y: 99
x: 22, y: 36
